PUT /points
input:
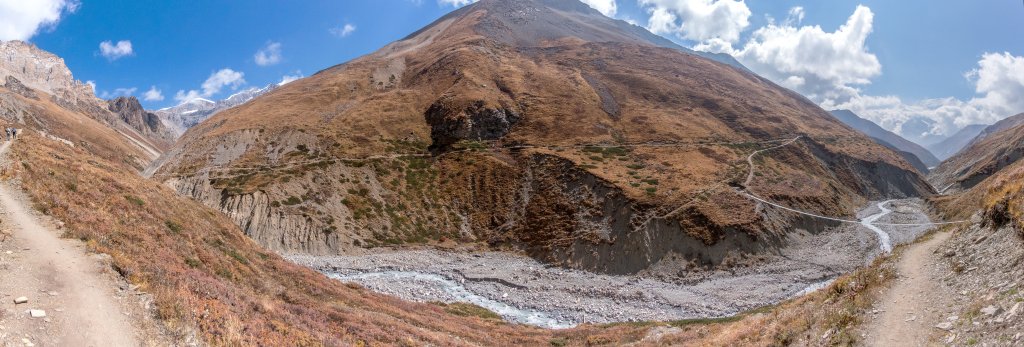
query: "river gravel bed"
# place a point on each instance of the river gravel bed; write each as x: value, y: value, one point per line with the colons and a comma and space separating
x: 522, y: 290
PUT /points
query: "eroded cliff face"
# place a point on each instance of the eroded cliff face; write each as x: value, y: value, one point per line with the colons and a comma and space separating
x: 538, y: 201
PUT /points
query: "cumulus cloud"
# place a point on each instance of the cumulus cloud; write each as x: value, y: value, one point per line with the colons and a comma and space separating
x: 116, y: 51
x: 153, y: 94
x: 92, y: 85
x: 832, y: 67
x: 606, y: 7
x: 999, y: 83
x: 20, y: 20
x: 213, y: 85
x: 270, y: 54
x: 290, y: 78
x: 698, y: 20
x: 344, y: 30
x: 117, y: 93
x: 825, y: 66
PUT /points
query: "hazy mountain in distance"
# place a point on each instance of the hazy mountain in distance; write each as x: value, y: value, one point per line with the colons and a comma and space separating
x: 888, y: 138
x: 954, y: 143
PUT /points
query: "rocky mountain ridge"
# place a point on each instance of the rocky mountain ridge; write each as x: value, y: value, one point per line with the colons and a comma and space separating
x: 183, y: 116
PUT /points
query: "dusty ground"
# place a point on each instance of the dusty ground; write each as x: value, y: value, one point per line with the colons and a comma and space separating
x: 85, y: 304
x: 906, y: 313
x: 568, y: 297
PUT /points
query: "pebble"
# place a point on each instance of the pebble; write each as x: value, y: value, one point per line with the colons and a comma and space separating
x: 991, y: 310
x: 947, y: 326
x: 37, y: 313
x: 21, y: 300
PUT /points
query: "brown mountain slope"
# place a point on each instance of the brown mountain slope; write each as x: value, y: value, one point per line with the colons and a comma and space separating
x: 997, y: 147
x: 508, y: 123
x: 42, y: 76
x: 40, y: 113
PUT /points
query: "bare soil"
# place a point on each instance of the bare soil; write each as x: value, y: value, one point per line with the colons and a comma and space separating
x: 85, y: 303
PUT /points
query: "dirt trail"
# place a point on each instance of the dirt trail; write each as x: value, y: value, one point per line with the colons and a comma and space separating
x: 908, y: 311
x: 81, y: 299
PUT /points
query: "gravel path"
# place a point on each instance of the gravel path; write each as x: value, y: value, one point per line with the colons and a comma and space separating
x: 916, y: 302
x: 556, y: 297
x: 54, y: 293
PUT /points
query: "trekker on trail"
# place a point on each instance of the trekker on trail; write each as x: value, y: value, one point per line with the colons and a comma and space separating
x: 9, y: 133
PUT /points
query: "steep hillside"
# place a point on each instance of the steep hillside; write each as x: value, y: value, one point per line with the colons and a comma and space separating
x: 535, y: 125
x: 995, y: 148
x: 41, y: 76
x: 953, y: 144
x: 888, y: 139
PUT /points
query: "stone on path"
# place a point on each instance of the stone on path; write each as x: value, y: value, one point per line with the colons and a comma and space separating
x: 947, y: 326
x: 20, y: 300
x: 991, y: 310
x: 37, y: 313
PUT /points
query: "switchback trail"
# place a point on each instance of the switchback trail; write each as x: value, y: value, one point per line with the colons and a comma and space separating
x: 81, y: 299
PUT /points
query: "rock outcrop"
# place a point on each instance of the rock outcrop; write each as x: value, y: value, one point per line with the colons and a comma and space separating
x: 14, y: 85
x: 149, y: 124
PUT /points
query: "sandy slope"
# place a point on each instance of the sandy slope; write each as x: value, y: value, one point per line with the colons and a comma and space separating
x: 83, y: 303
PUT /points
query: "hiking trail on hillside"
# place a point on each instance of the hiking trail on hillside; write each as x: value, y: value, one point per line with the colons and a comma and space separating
x: 73, y: 297
x: 906, y: 313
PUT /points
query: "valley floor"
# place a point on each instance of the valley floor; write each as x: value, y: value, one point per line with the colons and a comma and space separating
x: 526, y: 291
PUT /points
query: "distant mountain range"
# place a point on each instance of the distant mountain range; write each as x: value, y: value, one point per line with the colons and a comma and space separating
x: 921, y: 158
x: 189, y: 113
x: 951, y: 145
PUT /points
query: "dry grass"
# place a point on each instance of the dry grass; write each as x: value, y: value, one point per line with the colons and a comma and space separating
x: 205, y: 274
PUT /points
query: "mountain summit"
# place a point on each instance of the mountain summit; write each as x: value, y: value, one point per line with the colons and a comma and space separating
x: 535, y: 125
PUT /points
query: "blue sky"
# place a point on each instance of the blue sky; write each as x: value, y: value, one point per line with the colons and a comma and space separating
x: 923, y: 49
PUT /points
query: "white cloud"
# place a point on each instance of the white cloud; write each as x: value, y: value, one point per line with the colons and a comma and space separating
x: 698, y: 20
x: 153, y: 94
x: 999, y: 83
x: 824, y: 66
x: 344, y: 30
x: 117, y: 51
x: 20, y: 19
x: 117, y: 93
x: 270, y: 54
x: 290, y: 78
x: 213, y: 85
x: 91, y: 84
x: 1000, y: 79
x: 607, y: 7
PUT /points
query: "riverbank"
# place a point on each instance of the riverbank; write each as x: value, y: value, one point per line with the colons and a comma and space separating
x: 523, y: 290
